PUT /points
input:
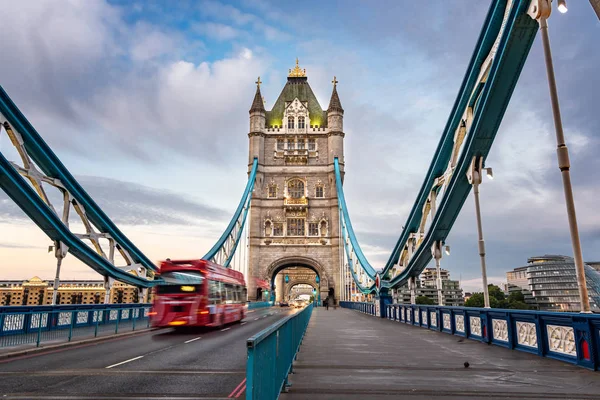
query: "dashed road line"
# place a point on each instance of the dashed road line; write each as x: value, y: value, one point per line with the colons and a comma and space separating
x: 124, y: 362
x: 192, y: 340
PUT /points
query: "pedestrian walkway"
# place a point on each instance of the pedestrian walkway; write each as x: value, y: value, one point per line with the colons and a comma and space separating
x: 350, y: 355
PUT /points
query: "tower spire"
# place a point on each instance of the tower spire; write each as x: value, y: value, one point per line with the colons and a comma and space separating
x: 258, y: 102
x: 334, y: 103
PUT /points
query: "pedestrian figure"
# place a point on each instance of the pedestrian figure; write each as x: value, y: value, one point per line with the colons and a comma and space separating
x: 327, y: 303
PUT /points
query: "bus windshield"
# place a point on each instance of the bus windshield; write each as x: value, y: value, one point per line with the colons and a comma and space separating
x: 179, y: 277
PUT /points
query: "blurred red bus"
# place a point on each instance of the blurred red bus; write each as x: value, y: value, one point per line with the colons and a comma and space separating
x: 198, y: 293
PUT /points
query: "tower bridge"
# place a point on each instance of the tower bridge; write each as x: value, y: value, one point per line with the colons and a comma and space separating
x: 294, y: 215
x: 294, y: 222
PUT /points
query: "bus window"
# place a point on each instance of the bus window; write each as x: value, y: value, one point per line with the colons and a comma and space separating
x: 214, y: 292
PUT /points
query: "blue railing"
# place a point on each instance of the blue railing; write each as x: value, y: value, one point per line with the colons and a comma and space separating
x: 39, y: 324
x: 259, y: 304
x: 271, y: 353
x: 364, y: 307
x: 570, y: 337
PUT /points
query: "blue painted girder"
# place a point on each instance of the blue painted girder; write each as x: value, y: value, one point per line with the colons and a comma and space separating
x: 369, y: 270
x: 493, y: 99
x: 242, y: 208
x: 44, y: 217
x: 49, y: 163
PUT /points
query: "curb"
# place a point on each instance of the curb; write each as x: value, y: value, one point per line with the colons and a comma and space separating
x: 74, y: 343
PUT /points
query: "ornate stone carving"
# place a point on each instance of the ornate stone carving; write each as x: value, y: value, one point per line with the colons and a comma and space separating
x: 500, y: 330
x: 527, y: 334
x: 475, y: 323
x: 64, y: 318
x: 447, y: 324
x: 82, y: 317
x: 35, y: 320
x: 13, y: 322
x: 561, y: 339
x: 459, y: 323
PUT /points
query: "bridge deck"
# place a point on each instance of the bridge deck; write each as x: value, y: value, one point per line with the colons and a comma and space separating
x: 350, y: 355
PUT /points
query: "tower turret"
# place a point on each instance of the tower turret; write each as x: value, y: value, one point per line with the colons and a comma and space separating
x: 335, y: 123
x: 257, y: 126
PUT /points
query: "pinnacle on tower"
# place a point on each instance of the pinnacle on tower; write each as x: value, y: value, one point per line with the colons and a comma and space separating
x: 334, y: 103
x: 257, y: 103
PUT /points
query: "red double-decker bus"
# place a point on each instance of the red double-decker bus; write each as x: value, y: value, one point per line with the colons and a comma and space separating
x: 198, y: 293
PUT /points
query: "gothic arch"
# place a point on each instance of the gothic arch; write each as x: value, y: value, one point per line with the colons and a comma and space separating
x: 294, y: 282
x: 298, y: 261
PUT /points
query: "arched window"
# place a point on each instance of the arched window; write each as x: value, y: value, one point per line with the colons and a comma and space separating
x: 295, y: 188
x: 300, y: 122
x: 319, y: 191
x: 290, y: 122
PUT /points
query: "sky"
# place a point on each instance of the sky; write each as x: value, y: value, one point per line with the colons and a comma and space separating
x: 147, y: 105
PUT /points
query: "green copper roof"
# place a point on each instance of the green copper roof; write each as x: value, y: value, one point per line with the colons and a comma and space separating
x: 297, y: 87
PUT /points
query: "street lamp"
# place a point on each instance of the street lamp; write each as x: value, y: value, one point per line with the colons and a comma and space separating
x: 562, y: 6
x: 436, y: 252
x: 489, y: 173
x: 540, y: 10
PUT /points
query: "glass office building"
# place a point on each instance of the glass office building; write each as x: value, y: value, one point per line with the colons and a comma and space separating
x: 550, y: 283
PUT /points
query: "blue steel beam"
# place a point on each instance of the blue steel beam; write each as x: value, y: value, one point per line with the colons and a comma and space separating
x: 489, y: 107
x: 40, y: 213
x: 369, y: 270
x: 240, y: 215
x: 363, y: 289
x: 49, y: 163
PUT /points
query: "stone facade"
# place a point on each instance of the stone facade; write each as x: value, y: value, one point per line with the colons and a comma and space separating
x: 39, y: 292
x: 294, y: 220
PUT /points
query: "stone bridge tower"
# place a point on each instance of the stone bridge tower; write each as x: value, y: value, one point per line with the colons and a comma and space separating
x: 294, y: 220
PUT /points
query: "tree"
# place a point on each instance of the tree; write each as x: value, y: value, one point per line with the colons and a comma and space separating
x: 476, y: 300
x: 424, y: 300
x: 498, y: 299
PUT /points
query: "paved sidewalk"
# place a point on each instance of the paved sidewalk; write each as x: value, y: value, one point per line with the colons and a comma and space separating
x: 350, y: 355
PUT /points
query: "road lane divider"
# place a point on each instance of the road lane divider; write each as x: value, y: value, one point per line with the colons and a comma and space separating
x: 124, y: 362
x: 226, y: 329
x: 193, y: 340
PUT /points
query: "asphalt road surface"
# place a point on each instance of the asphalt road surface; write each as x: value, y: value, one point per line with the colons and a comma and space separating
x: 159, y: 364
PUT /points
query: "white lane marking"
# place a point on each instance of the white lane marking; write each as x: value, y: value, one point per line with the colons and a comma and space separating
x: 243, y: 323
x: 226, y: 329
x: 191, y: 340
x: 126, y: 361
x: 265, y: 316
x: 256, y: 319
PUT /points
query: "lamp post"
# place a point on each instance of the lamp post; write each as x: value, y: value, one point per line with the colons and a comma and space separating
x: 540, y: 10
x: 436, y: 252
x: 474, y: 177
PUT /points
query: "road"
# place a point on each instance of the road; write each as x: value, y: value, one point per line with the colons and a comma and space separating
x: 159, y: 364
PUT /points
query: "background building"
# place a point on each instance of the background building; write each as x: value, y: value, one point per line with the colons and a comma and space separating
x: 427, y: 286
x: 550, y: 283
x: 39, y: 292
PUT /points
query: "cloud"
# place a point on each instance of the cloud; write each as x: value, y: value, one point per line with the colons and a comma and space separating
x: 133, y: 204
x: 217, y: 31
x: 134, y: 88
x: 18, y: 246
